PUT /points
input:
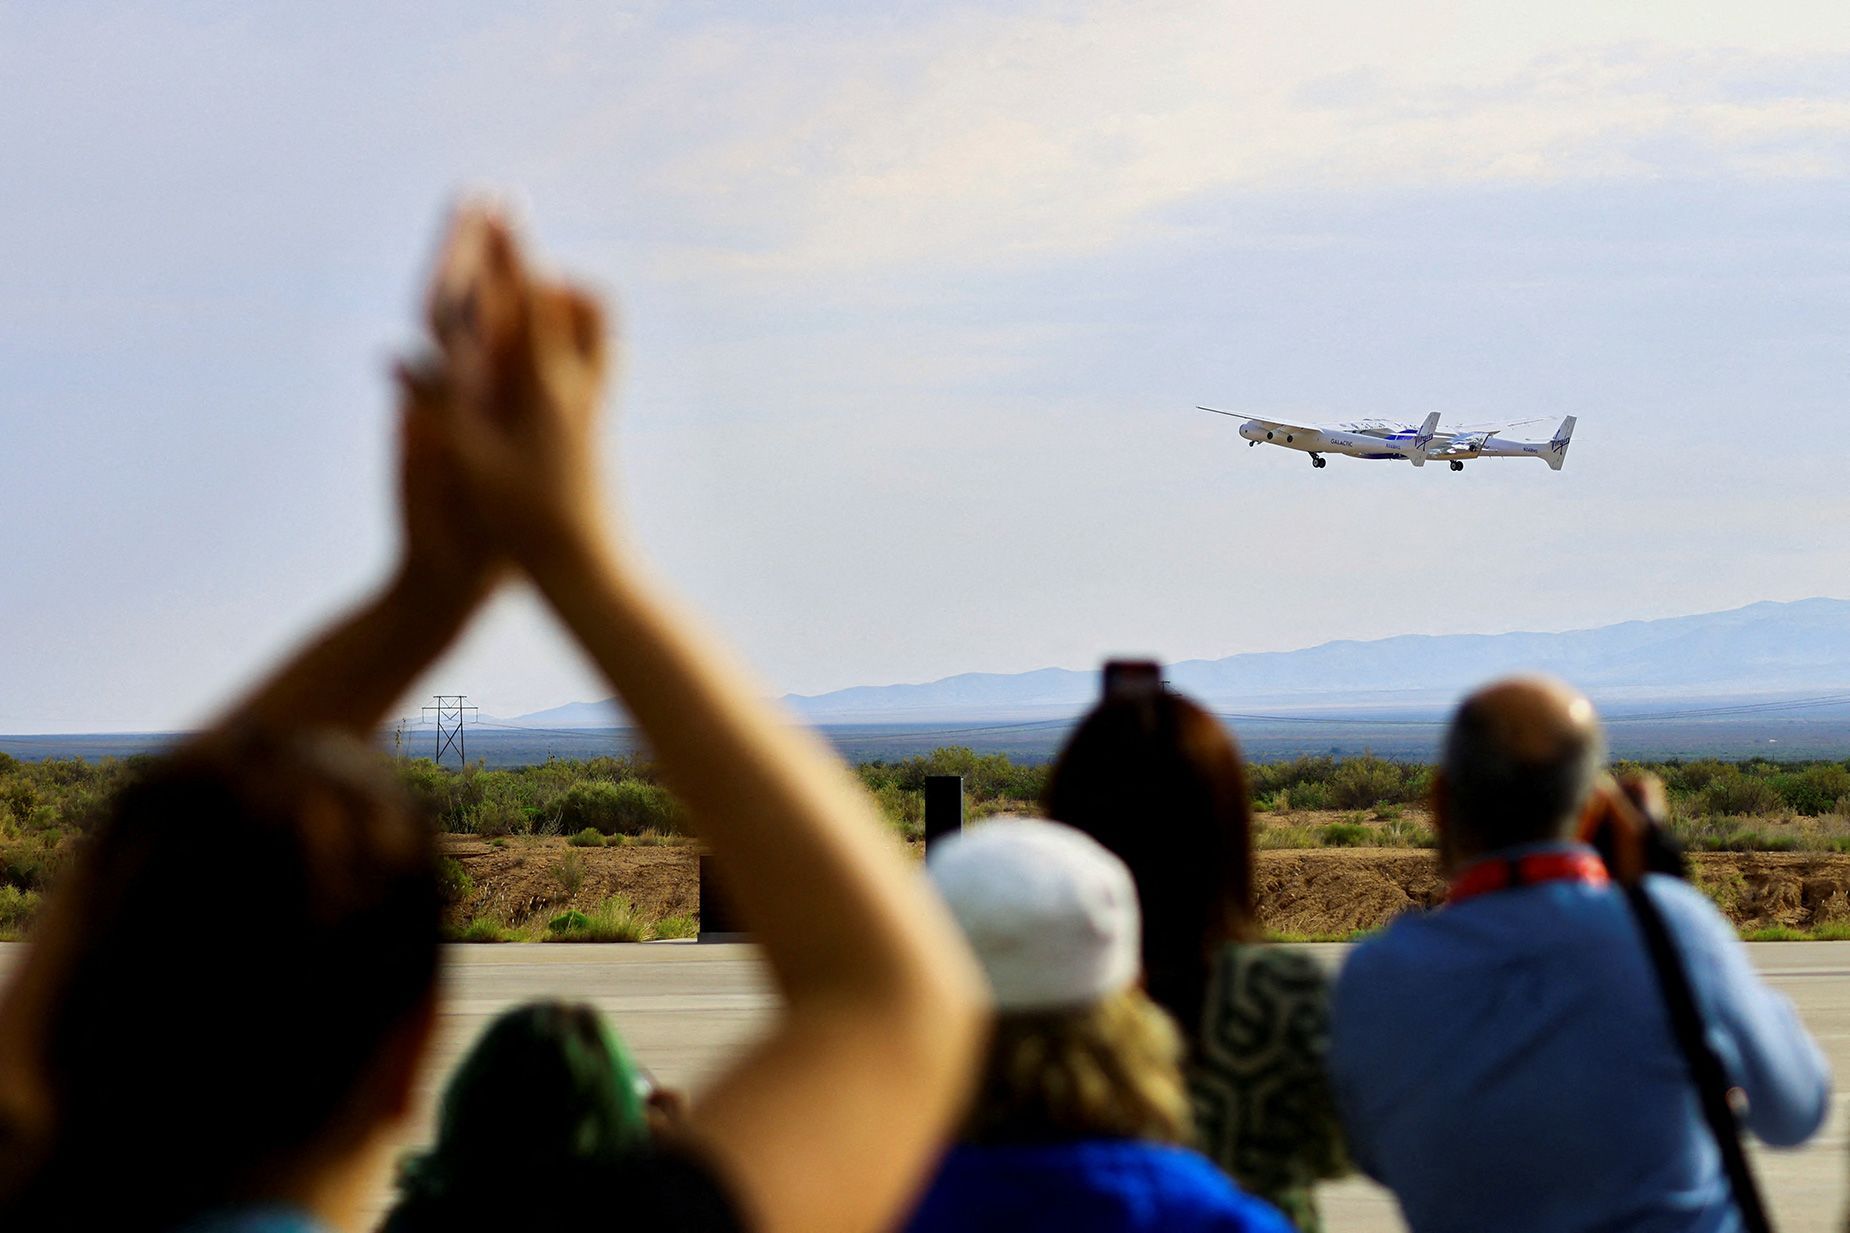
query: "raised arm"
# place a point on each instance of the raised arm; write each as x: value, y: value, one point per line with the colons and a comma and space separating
x: 348, y: 675
x: 833, y: 1120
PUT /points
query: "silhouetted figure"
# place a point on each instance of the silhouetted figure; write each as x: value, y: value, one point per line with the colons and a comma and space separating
x: 1160, y: 782
x: 1507, y: 1062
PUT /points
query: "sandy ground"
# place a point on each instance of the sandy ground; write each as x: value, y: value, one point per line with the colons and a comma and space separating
x: 687, y: 1009
x: 1308, y: 892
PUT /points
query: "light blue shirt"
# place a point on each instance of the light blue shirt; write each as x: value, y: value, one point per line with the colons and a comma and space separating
x: 1507, y: 1063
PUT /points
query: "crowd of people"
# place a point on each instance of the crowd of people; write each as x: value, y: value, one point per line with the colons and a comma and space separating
x: 1068, y: 1023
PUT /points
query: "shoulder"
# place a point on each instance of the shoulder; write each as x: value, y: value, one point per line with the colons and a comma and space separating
x: 1704, y: 936
x: 1190, y: 1185
x: 1264, y: 1002
x: 1384, y: 957
x: 1249, y: 972
x: 1682, y: 903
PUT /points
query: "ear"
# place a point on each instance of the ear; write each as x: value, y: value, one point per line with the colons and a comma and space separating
x: 1440, y: 800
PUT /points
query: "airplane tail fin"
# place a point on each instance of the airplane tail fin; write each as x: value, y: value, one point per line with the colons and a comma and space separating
x: 1423, y: 438
x: 1557, y: 446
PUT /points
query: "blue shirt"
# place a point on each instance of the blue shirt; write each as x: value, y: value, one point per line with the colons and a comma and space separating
x: 273, y: 1219
x: 1090, y: 1186
x: 1507, y: 1063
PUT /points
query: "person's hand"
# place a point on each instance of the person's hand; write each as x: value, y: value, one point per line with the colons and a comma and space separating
x: 525, y: 362
x: 447, y: 557
x: 1627, y: 821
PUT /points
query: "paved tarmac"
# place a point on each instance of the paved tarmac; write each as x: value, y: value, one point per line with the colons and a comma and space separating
x: 685, y: 1008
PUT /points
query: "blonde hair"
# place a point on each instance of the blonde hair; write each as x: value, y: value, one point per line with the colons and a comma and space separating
x: 1111, y: 1069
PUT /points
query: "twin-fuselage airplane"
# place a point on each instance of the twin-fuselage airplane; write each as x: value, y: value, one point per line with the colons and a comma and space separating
x: 1415, y: 443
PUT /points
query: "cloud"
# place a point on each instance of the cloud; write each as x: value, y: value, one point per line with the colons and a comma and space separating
x: 977, y: 137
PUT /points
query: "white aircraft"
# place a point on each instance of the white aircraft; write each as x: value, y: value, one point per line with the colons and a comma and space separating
x: 1387, y: 439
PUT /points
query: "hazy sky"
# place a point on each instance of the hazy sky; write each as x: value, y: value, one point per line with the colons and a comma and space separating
x: 916, y: 309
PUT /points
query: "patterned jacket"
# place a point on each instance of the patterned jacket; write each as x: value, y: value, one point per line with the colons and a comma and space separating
x: 1262, y: 1102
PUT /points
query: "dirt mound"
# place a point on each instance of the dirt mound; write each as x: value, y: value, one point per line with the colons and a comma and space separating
x: 1324, y: 891
x: 1315, y: 892
x: 1800, y: 890
x: 541, y: 877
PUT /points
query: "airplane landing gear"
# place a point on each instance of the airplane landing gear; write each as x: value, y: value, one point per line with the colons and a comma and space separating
x: 1318, y: 460
x: 1457, y: 466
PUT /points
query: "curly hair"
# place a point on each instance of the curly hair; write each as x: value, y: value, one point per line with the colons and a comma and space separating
x: 1111, y: 1069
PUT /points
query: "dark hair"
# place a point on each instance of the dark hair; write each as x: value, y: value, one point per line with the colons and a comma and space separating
x: 215, y: 984
x: 1159, y: 781
x: 545, y: 1100
x: 1500, y: 798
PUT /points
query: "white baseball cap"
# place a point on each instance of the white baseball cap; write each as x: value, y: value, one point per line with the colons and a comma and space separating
x: 1051, y: 914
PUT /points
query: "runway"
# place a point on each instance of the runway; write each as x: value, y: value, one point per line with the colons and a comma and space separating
x: 685, y: 1008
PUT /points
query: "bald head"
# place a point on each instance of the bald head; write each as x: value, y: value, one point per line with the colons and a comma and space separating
x: 1520, y: 760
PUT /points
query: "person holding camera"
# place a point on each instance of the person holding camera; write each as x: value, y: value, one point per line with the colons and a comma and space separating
x: 1554, y: 1048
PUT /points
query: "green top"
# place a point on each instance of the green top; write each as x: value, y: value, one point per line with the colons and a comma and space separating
x: 1262, y: 1102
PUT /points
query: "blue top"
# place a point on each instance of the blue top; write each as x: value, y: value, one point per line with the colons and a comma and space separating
x: 1089, y: 1186
x: 1507, y: 1062
x: 273, y: 1219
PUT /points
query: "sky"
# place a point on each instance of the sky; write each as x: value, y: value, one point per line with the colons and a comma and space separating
x: 916, y: 305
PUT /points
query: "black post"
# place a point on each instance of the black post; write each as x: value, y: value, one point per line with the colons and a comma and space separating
x: 944, y: 807
x: 717, y: 923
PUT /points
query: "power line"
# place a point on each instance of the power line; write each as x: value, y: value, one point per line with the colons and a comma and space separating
x: 450, y: 710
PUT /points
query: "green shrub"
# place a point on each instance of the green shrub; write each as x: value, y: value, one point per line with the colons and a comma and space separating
x: 483, y: 929
x: 672, y: 927
x: 626, y: 807
x: 1361, y: 783
x: 566, y: 922
x: 1726, y: 838
x: 497, y: 816
x: 569, y: 872
x: 1402, y: 833
x: 17, y: 908
x: 1272, y: 836
x: 903, y: 808
x: 587, y: 838
x: 613, y: 920
x: 1308, y: 796
x: 1815, y: 789
x: 454, y: 879
x: 1345, y: 835
x: 1735, y: 793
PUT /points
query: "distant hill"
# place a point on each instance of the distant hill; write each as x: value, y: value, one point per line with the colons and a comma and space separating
x: 1763, y: 648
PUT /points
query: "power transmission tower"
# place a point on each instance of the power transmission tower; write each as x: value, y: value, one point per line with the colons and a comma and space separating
x: 449, y: 710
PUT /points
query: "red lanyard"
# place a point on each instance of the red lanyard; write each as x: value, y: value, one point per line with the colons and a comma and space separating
x: 1538, y: 867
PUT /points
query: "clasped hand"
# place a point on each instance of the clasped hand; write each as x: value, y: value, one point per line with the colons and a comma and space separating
x: 498, y: 417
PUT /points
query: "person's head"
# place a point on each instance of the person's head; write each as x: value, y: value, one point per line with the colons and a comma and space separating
x: 1159, y: 781
x: 230, y: 992
x: 546, y: 1098
x: 1078, y: 1050
x: 1520, y: 762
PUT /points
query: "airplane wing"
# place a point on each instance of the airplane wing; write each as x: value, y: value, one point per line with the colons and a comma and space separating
x: 1259, y: 419
x: 1463, y: 443
x: 1489, y: 428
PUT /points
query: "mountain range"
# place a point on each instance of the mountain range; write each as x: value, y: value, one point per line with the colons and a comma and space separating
x: 1764, y: 648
